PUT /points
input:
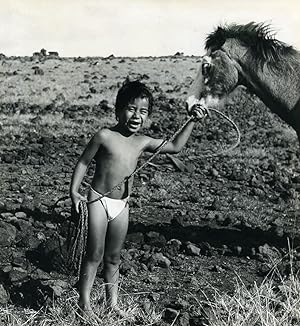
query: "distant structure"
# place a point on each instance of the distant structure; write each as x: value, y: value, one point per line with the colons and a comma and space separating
x: 43, y: 52
x: 53, y: 54
x: 2, y: 56
x: 42, y: 55
x: 36, y: 55
x: 178, y: 54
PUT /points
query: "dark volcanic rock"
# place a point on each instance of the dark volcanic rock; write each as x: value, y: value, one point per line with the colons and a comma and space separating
x: 7, y: 234
x: 4, y: 295
x: 155, y: 239
x: 159, y: 259
x: 18, y: 275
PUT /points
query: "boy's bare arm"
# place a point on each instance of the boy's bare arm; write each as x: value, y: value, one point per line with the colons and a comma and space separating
x: 178, y: 143
x: 82, y: 164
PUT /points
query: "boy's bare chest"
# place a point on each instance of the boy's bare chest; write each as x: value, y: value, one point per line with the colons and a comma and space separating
x: 119, y: 149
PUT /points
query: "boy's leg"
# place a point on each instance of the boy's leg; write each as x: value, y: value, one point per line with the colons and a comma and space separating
x: 115, y: 237
x: 97, y: 226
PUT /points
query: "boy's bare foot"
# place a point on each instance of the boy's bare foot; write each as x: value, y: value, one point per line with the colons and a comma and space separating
x: 88, y: 316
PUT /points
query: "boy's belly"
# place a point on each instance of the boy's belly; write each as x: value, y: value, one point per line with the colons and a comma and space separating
x: 104, y: 183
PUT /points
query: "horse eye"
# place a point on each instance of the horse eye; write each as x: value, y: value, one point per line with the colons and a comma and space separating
x: 205, y: 68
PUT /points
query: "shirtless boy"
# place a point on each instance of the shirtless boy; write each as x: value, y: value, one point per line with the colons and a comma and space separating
x: 116, y: 151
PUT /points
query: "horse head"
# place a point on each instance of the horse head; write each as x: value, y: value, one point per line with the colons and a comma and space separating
x: 249, y: 55
x: 218, y: 75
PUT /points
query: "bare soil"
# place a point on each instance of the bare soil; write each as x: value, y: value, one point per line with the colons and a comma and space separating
x: 230, y: 215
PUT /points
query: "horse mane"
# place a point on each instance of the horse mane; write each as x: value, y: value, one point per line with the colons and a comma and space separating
x: 257, y: 37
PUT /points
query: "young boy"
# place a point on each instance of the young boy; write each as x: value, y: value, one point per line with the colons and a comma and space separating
x: 116, y: 151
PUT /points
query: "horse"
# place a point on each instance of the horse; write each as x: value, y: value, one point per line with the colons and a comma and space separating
x: 249, y: 55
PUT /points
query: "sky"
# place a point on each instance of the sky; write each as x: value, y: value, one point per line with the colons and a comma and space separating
x: 133, y: 27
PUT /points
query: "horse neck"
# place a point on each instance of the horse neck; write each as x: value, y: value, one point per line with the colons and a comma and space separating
x: 279, y: 91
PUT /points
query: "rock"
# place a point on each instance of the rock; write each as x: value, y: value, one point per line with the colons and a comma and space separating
x: 173, y: 247
x: 6, y: 255
x: 128, y: 267
x: 169, y: 314
x: 217, y: 268
x: 21, y: 262
x: 22, y: 215
x: 206, y: 249
x: 57, y: 286
x: 159, y: 259
x: 50, y: 225
x: 7, y: 158
x: 50, y: 254
x: 268, y: 253
x: 177, y: 220
x: 5, y: 269
x: 216, y: 205
x: 223, y: 219
x: 214, y: 173
x: 135, y: 238
x: 2, y: 205
x: 18, y: 275
x: 6, y: 215
x: 23, y: 225
x: 155, y: 239
x: 39, y: 274
x: 192, y: 249
x: 4, y: 295
x: 238, y: 250
x: 29, y: 240
x: 7, y: 234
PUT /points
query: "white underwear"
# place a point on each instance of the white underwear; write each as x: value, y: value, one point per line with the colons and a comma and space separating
x: 113, y: 207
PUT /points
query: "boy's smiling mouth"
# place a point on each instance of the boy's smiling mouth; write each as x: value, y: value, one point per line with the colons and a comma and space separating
x: 134, y: 123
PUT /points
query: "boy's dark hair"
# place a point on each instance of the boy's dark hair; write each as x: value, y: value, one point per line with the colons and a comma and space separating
x: 130, y: 91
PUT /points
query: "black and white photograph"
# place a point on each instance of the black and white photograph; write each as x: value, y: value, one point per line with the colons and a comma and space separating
x: 149, y: 163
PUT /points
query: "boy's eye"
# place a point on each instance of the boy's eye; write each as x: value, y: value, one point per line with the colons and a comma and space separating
x: 144, y: 111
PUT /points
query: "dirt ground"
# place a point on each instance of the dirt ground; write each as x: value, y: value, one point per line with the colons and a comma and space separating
x: 223, y: 217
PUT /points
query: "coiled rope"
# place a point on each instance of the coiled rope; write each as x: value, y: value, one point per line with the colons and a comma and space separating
x: 77, y: 237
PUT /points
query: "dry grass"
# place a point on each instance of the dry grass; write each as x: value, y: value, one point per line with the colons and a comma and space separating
x: 275, y: 302
x: 64, y: 311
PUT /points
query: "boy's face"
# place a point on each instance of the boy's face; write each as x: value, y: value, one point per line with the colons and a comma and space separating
x: 134, y: 115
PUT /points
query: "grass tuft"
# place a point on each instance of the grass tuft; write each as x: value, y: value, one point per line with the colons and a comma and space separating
x: 64, y: 311
x: 274, y: 302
